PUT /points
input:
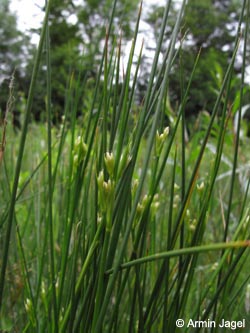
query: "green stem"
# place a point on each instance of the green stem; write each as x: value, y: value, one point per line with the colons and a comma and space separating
x: 182, y: 252
x: 20, y: 153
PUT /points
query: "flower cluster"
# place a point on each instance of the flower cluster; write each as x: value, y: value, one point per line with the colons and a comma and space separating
x: 160, y: 139
x: 79, y: 151
x: 106, y: 191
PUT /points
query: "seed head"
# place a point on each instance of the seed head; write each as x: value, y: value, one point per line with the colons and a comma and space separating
x: 160, y: 139
x: 200, y: 187
x: 110, y: 163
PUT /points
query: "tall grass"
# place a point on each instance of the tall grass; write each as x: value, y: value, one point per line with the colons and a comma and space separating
x: 114, y: 223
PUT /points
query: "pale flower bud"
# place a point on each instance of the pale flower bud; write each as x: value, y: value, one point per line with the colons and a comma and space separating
x: 160, y: 139
x: 28, y: 305
x: 109, y: 162
x: 200, y: 187
x: 176, y: 186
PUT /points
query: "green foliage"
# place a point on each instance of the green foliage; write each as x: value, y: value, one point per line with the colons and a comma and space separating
x: 209, y: 27
x: 10, y: 41
x: 113, y: 222
x: 76, y: 47
x: 12, y: 56
x: 220, y: 19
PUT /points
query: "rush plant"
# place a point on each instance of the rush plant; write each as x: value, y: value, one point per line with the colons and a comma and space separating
x: 114, y: 222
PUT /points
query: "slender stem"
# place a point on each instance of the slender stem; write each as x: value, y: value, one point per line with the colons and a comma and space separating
x: 182, y: 252
x: 50, y: 184
x: 21, y: 152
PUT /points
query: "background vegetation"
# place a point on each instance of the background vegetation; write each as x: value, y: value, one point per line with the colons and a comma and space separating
x: 208, y: 26
x: 124, y: 195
